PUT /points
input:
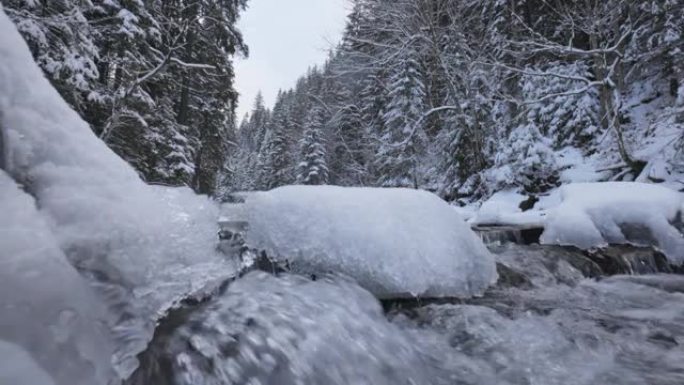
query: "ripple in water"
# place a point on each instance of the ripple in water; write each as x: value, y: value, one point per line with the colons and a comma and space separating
x: 291, y: 330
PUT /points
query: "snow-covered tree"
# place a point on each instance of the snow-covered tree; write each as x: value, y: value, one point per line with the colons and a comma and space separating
x: 567, y: 119
x: 153, y: 78
x: 349, y: 152
x: 313, y: 167
x: 63, y: 43
x: 277, y: 167
x: 403, y: 137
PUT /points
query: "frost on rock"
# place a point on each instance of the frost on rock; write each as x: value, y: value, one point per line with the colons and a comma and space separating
x: 394, y: 242
x: 597, y: 214
x: 142, y: 247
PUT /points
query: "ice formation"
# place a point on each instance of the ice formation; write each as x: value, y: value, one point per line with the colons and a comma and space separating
x: 142, y: 247
x: 596, y: 214
x: 45, y: 306
x: 394, y: 242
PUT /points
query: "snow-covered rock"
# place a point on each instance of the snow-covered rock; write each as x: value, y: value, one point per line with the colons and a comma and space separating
x: 596, y: 214
x: 503, y: 209
x: 392, y: 241
x: 142, y: 247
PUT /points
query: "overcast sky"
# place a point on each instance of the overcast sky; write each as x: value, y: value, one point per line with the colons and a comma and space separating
x: 285, y: 37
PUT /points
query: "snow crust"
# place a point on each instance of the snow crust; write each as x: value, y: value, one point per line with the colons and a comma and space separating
x: 140, y: 248
x: 596, y: 214
x: 394, y: 242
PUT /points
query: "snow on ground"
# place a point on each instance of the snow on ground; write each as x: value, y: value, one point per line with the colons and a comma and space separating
x: 143, y: 248
x: 596, y: 214
x: 392, y: 241
x: 503, y: 208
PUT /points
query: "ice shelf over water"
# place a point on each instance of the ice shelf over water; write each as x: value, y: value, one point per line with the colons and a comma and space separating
x: 596, y: 214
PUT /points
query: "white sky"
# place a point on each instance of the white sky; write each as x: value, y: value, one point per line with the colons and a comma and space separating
x: 285, y: 38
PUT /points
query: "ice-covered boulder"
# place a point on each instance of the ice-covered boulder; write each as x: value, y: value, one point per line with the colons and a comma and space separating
x: 394, y: 242
x: 597, y: 214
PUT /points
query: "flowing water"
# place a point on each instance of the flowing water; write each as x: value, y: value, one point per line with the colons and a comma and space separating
x: 554, y: 318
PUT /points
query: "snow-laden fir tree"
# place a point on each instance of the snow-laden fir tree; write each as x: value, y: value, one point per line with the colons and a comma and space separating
x: 63, y: 43
x: 154, y: 79
x: 277, y: 167
x: 348, y: 155
x: 569, y: 119
x: 313, y: 168
x: 525, y: 160
x: 398, y: 156
x: 503, y: 88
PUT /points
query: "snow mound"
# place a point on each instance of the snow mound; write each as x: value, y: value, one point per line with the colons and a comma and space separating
x: 142, y: 248
x: 394, y: 242
x: 596, y: 214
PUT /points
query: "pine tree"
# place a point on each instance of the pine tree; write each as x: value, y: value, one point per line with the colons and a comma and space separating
x: 63, y: 43
x: 277, y: 167
x: 349, y: 156
x: 153, y: 78
x: 313, y: 168
x: 403, y: 136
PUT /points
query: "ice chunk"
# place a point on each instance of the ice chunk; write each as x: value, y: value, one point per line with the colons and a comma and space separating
x: 46, y: 308
x: 596, y: 214
x: 392, y: 241
x: 144, y: 247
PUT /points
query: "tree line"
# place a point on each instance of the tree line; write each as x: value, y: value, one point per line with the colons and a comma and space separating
x: 468, y: 97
